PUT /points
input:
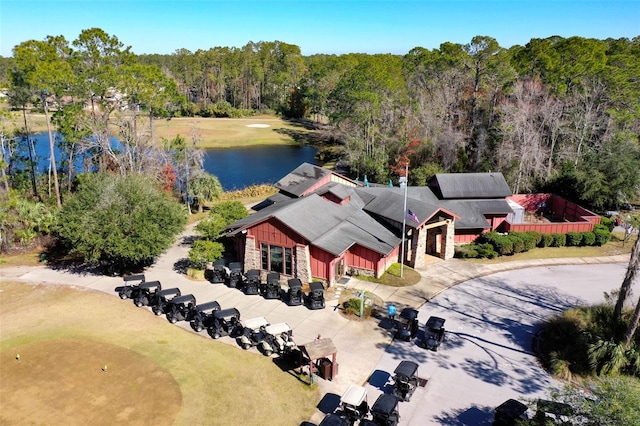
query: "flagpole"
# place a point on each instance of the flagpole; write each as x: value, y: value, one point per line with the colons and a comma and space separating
x: 404, y: 181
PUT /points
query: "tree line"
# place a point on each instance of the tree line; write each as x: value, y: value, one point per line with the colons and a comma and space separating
x: 558, y: 114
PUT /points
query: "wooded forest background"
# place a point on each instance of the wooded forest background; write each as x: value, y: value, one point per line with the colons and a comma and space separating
x: 558, y: 114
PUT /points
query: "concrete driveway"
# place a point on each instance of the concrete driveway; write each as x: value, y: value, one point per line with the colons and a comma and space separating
x: 486, y: 357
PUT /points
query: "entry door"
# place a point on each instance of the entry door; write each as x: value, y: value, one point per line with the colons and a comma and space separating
x: 339, y: 269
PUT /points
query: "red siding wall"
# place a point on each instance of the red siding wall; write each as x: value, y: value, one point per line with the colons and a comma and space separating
x: 464, y: 236
x: 362, y: 258
x: 320, y: 263
x: 550, y: 228
x: 275, y: 232
x: 317, y: 185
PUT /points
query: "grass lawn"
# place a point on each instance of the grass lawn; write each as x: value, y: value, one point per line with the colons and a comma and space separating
x: 212, y: 132
x: 392, y: 277
x: 157, y: 373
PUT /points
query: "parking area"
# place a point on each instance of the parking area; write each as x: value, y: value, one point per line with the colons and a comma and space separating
x: 486, y: 356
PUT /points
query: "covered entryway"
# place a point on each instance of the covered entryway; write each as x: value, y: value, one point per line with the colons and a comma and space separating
x: 433, y: 239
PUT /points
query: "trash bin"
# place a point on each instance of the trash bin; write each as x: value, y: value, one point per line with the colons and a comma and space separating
x: 325, y: 369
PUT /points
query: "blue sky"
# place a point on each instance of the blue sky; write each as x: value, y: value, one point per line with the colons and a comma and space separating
x: 330, y: 26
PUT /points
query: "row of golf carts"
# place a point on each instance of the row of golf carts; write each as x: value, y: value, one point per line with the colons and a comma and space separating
x: 407, y: 328
x: 251, y: 283
x: 276, y: 338
x: 384, y: 412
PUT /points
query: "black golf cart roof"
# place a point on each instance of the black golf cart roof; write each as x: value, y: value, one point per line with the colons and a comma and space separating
x: 169, y: 291
x: 511, y: 408
x: 386, y: 404
x: 406, y: 368
x: 333, y: 419
x: 219, y: 262
x: 409, y: 314
x: 235, y: 266
x: 183, y: 299
x: 294, y: 283
x: 435, y: 323
x: 273, y: 276
x: 253, y: 273
x: 213, y: 306
x: 316, y: 286
x: 227, y: 313
x: 150, y: 284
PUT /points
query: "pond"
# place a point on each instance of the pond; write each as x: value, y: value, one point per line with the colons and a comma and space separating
x: 236, y: 168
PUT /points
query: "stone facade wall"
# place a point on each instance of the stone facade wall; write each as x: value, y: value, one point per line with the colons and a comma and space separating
x: 420, y: 243
x: 448, y: 241
x: 302, y: 264
x: 251, y: 254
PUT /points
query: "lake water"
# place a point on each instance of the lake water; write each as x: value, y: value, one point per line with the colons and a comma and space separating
x: 235, y: 168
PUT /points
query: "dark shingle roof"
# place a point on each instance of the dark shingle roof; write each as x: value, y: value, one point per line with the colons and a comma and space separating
x: 472, y: 212
x: 389, y: 204
x: 471, y: 185
x: 325, y: 224
x: 301, y: 179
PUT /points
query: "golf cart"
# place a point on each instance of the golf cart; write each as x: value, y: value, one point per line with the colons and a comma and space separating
x: 272, y: 287
x: 130, y: 288
x: 278, y: 339
x: 226, y: 322
x: 220, y: 272
x: 407, y: 324
x: 252, y: 285
x: 353, y: 403
x: 254, y: 333
x: 203, y: 316
x: 295, y: 292
x: 385, y: 411
x: 332, y: 419
x: 146, y: 293
x: 433, y: 333
x: 510, y: 413
x: 405, y: 380
x: 235, y: 278
x: 315, y: 298
x: 162, y: 299
x: 181, y: 308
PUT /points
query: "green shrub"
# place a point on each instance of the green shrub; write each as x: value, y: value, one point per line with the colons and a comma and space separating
x: 574, y: 239
x: 559, y: 240
x: 502, y: 244
x: 466, y: 251
x: 546, y: 240
x: 536, y: 237
x: 486, y: 250
x: 607, y: 222
x: 588, y: 238
x: 203, y: 252
x: 602, y: 237
x: 517, y: 241
x: 601, y: 227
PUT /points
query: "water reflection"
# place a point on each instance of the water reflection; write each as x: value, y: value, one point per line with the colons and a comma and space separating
x: 235, y: 168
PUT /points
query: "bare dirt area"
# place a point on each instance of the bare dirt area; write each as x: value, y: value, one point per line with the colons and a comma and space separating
x: 157, y: 372
x: 85, y: 382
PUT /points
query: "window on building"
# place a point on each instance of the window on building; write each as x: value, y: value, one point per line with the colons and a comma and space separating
x: 276, y: 259
x: 287, y: 261
x: 264, y: 256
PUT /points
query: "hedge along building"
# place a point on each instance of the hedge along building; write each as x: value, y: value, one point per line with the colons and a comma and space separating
x: 322, y: 225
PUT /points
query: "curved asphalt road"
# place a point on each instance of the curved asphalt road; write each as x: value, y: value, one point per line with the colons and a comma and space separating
x: 486, y: 357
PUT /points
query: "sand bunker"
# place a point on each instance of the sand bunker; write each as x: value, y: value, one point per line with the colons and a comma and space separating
x: 258, y: 125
